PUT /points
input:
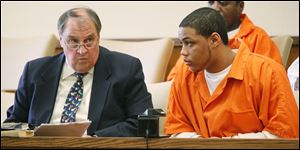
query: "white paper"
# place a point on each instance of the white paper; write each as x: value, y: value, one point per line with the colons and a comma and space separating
x: 62, y: 129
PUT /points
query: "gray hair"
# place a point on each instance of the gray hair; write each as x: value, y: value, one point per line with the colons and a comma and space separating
x: 74, y: 13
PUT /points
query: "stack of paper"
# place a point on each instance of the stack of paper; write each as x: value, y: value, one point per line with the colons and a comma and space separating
x: 62, y: 129
x: 58, y: 129
x: 17, y: 133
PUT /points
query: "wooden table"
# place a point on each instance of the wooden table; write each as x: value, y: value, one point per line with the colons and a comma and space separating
x: 140, y: 143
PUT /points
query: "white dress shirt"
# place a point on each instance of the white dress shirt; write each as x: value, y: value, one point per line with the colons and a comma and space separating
x: 66, y: 81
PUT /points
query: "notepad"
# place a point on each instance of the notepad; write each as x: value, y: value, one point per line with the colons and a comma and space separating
x: 76, y: 129
x: 17, y: 133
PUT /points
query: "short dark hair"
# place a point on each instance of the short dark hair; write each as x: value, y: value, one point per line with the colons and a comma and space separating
x: 223, y: 2
x: 74, y: 13
x: 206, y: 21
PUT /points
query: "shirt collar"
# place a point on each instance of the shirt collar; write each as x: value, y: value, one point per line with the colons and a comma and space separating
x: 69, y: 71
x: 236, y: 71
x: 239, y: 62
x: 232, y: 33
x: 237, y: 68
x: 246, y: 26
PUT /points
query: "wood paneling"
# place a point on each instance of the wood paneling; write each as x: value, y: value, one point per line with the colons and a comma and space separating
x: 142, y: 143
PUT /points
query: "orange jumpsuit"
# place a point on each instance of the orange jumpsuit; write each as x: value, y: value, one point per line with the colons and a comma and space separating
x: 254, y: 96
x: 255, y: 38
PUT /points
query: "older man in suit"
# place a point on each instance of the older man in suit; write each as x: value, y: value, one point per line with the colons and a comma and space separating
x: 109, y: 87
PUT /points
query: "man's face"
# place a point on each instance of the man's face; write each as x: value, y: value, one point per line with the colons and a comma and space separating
x: 230, y: 10
x: 80, y: 42
x: 195, y: 49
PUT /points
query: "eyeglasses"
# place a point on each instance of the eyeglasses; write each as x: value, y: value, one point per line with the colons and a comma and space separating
x: 74, y: 44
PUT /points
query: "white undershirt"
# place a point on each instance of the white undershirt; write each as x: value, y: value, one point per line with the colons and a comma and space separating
x: 214, y: 79
x: 66, y: 81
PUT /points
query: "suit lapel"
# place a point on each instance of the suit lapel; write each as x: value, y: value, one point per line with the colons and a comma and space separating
x: 100, y: 89
x: 48, y: 84
x: 46, y: 90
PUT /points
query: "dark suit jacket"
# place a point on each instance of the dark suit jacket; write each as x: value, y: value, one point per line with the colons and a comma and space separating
x: 118, y: 93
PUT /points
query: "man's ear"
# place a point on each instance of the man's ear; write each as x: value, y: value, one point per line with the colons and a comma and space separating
x: 61, y: 41
x: 214, y: 40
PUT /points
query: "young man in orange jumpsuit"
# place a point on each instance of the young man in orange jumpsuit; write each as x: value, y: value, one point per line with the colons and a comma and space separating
x: 239, y: 26
x: 221, y: 93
